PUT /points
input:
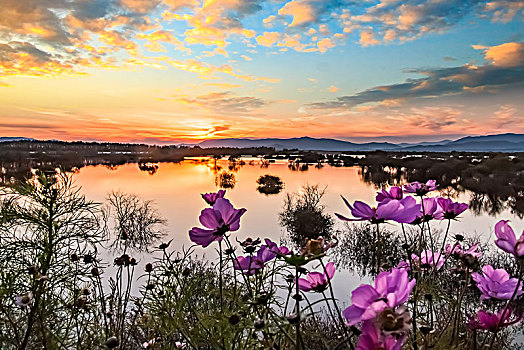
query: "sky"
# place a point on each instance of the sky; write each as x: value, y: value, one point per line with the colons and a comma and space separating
x: 172, y: 71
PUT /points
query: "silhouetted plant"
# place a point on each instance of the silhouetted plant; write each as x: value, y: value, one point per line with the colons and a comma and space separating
x: 304, y: 217
x: 270, y: 184
x: 225, y: 180
x: 136, y: 222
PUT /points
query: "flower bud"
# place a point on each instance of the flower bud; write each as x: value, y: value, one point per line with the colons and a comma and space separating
x: 149, y: 267
x: 234, y: 319
x: 259, y: 324
x: 112, y: 342
x: 294, y: 318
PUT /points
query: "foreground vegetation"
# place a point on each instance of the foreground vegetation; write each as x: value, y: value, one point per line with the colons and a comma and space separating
x: 60, y: 290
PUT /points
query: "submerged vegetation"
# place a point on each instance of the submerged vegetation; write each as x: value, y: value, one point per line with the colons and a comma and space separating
x: 61, y: 289
x: 270, y: 184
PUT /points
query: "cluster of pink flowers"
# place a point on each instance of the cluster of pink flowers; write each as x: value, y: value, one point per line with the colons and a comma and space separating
x: 379, y: 308
x: 497, y: 284
x: 251, y: 264
x: 393, y: 206
x: 457, y: 250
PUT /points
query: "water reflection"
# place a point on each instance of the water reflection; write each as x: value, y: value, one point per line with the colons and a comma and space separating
x: 150, y: 168
x: 490, y: 185
x: 495, y: 182
x: 358, y: 246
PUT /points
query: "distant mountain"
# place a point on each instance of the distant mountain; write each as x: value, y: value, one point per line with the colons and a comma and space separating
x: 302, y: 143
x: 489, y: 143
x: 509, y: 142
x: 11, y: 139
x: 509, y: 137
x: 425, y: 143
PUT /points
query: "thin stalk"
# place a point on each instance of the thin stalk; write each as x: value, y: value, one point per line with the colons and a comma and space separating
x: 220, y: 276
x: 334, y: 301
x: 379, y: 250
x: 297, y: 310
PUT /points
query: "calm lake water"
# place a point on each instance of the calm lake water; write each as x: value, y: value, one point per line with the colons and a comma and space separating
x: 176, y: 188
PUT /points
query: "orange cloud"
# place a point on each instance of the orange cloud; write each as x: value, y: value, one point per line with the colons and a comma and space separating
x: 163, y: 36
x: 24, y: 59
x: 268, y: 39
x: 504, y: 55
x: 301, y: 11
x: 325, y: 44
x: 140, y: 6
x: 367, y: 38
x: 332, y: 89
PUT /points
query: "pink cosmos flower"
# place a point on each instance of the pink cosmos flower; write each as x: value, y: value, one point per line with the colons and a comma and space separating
x: 393, y: 193
x: 373, y: 339
x: 317, y: 281
x: 391, y: 289
x: 429, y: 211
x: 218, y: 220
x: 492, y: 322
x: 212, y: 197
x: 401, y: 211
x: 457, y: 250
x: 282, y: 250
x: 428, y: 259
x: 251, y: 264
x: 507, y: 240
x: 421, y: 189
x: 495, y: 283
x: 449, y: 209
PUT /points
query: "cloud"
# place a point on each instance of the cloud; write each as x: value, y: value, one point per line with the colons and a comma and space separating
x: 308, y: 12
x: 225, y: 102
x: 223, y: 85
x: 444, y: 81
x: 303, y: 12
x: 427, y: 118
x: 332, y: 89
x: 367, y: 38
x: 408, y: 19
x: 34, y: 19
x: 22, y: 58
x: 64, y: 36
x: 268, y: 38
x: 325, y: 44
x: 505, y: 117
x: 161, y: 36
x: 140, y: 6
x: 504, y: 55
x: 504, y: 11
